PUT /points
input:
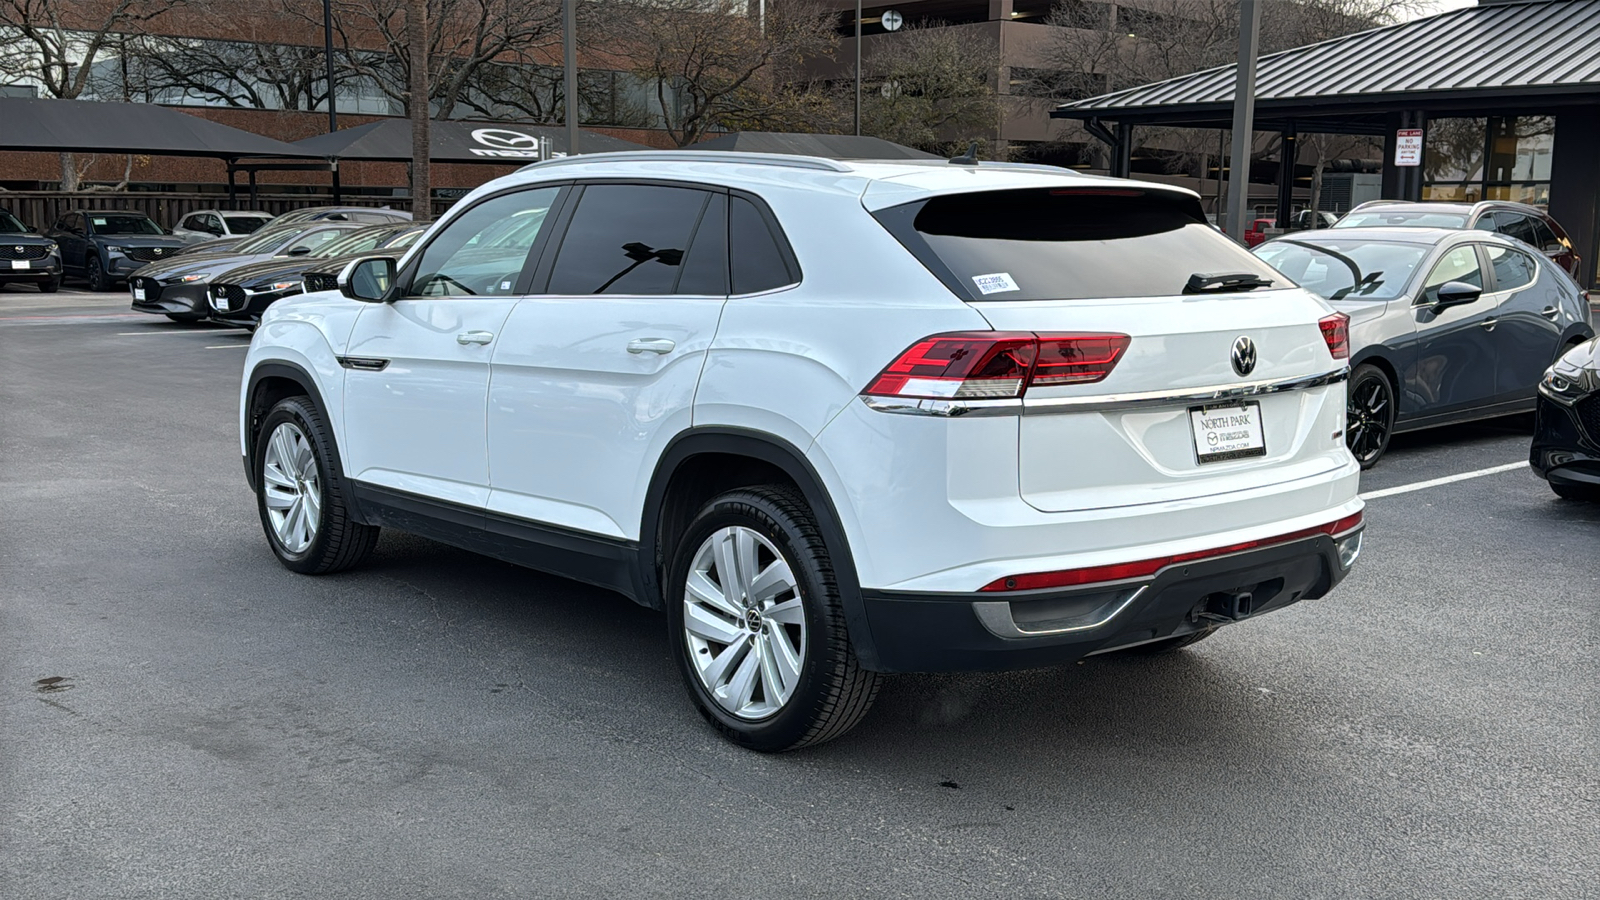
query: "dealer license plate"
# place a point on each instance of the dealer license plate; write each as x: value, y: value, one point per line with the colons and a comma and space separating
x: 21, y: 264
x: 138, y: 293
x: 1227, y: 432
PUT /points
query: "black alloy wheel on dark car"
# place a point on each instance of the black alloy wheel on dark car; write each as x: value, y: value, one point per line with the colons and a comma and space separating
x: 1369, y: 414
x: 99, y: 282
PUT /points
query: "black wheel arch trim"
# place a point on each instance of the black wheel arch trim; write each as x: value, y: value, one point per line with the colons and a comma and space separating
x: 775, y: 451
x: 293, y: 372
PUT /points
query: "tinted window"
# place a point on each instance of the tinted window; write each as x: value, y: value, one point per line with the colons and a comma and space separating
x: 1335, y: 269
x: 245, y: 224
x: 758, y: 263
x: 1516, y: 226
x: 705, y: 270
x: 483, y: 250
x: 1072, y: 244
x: 10, y: 225
x: 627, y: 239
x: 1544, y: 238
x: 115, y: 224
x: 1460, y: 264
x: 1512, y: 269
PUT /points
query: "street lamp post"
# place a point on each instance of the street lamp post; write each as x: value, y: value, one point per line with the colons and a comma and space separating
x: 1244, y: 118
x: 333, y: 114
x: 858, y: 67
x: 569, y: 59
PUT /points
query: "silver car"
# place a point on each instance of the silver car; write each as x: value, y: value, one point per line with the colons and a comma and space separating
x: 1446, y: 326
x: 206, y: 224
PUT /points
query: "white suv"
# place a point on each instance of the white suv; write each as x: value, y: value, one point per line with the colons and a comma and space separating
x: 835, y: 419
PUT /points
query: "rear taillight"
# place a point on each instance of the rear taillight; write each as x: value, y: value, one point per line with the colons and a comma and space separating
x: 996, y: 364
x: 1336, y: 331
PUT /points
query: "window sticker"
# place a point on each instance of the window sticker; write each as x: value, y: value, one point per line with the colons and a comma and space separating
x: 998, y: 283
x: 98, y: 221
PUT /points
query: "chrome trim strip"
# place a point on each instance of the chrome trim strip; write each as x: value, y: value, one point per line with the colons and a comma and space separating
x: 996, y: 617
x: 944, y: 408
x: 1033, y: 407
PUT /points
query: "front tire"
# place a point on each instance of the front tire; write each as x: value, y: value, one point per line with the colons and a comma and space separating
x: 50, y: 286
x: 98, y: 281
x: 757, y: 626
x: 1369, y: 414
x: 300, y: 495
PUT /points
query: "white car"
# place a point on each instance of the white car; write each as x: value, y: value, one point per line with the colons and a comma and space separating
x: 208, y: 224
x: 835, y: 419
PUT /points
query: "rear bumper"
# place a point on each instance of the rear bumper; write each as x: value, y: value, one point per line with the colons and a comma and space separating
x: 934, y: 632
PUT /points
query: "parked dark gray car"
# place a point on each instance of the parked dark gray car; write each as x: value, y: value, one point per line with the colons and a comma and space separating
x: 1445, y: 326
x: 178, y: 287
x: 27, y: 258
x: 105, y: 247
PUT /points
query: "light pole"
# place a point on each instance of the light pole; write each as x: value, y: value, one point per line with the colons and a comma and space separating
x: 333, y: 114
x: 569, y: 57
x: 1244, y: 118
x: 858, y: 67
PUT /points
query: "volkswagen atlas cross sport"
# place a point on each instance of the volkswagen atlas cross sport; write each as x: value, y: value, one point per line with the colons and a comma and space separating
x: 834, y: 419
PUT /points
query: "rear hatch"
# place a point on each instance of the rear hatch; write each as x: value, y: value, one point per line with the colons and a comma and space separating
x: 1176, y: 417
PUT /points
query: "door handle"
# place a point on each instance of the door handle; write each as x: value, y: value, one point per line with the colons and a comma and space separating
x: 1489, y: 323
x: 1550, y: 312
x: 651, y: 345
x: 474, y: 337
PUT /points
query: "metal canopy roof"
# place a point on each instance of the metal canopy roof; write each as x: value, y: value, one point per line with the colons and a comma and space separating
x: 454, y: 141
x: 82, y: 126
x: 1537, y: 54
x: 827, y: 146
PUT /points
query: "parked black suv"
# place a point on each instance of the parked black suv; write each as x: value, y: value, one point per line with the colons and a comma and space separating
x: 106, y: 246
x: 27, y: 258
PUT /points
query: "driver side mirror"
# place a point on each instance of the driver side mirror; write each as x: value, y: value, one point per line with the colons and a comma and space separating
x: 1456, y: 293
x: 369, y: 280
x: 299, y: 251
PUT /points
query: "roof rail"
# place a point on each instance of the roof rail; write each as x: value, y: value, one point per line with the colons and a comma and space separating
x: 713, y: 156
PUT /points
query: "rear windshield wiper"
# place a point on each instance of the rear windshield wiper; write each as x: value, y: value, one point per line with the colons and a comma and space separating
x: 1222, y: 282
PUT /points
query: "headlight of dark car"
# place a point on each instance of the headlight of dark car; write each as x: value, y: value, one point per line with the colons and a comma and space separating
x: 182, y: 279
x: 115, y: 248
x: 52, y: 248
x: 1574, y: 376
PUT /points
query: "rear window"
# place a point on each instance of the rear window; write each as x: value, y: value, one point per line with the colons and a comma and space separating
x: 245, y: 224
x: 1068, y: 244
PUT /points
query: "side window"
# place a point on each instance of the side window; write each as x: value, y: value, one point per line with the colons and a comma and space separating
x: 1486, y: 222
x: 212, y: 224
x: 705, y: 270
x: 484, y: 250
x: 1544, y: 238
x: 1516, y: 226
x: 187, y: 222
x: 1460, y: 264
x: 1512, y: 269
x: 628, y: 239
x: 758, y: 263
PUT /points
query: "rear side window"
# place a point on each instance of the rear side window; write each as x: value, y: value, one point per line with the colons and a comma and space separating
x: 759, y: 263
x: 1512, y: 269
x: 627, y: 239
x: 1516, y: 226
x: 1545, y: 238
x: 1069, y: 243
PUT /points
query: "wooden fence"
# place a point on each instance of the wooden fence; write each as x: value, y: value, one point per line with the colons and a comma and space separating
x: 41, y: 209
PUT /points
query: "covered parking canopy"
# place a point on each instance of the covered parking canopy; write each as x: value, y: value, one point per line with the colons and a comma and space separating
x: 1498, y: 61
x: 81, y: 126
x: 827, y: 146
x: 456, y: 141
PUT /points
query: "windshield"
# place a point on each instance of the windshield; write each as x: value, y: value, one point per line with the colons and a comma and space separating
x: 1334, y: 269
x: 245, y: 224
x: 124, y: 225
x: 267, y: 241
x: 10, y: 225
x: 1072, y: 244
x: 355, y: 242
x: 1408, y: 218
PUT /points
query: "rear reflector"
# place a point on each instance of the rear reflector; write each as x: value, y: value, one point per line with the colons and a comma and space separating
x: 1336, y: 331
x: 997, y: 364
x: 1147, y: 567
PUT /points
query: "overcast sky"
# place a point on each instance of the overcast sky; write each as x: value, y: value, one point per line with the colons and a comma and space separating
x: 1442, y: 5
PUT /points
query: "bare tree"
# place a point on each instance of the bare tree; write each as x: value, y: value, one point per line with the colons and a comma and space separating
x: 55, y: 44
x: 931, y: 86
x: 716, y: 64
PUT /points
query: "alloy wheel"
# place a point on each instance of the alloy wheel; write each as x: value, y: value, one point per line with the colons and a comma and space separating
x: 744, y: 623
x: 291, y: 488
x: 1368, y: 413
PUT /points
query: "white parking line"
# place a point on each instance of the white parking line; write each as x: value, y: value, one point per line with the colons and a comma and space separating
x: 1448, y: 479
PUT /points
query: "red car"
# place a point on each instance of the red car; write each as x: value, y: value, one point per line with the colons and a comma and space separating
x: 1257, y: 232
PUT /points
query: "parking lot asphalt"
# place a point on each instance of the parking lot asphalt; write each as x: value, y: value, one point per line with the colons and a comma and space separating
x: 182, y: 717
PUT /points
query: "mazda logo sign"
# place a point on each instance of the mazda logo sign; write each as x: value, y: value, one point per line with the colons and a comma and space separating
x: 503, y: 142
x: 1244, y: 355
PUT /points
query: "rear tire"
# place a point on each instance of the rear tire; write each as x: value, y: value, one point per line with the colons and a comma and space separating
x: 300, y: 495
x: 756, y: 624
x: 1369, y: 414
x: 1577, y: 492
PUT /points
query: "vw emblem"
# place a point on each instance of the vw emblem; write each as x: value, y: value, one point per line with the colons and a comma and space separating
x: 1244, y: 355
x: 500, y: 137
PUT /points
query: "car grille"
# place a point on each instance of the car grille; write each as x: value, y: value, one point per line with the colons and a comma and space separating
x: 1588, y: 410
x: 23, y: 251
x: 150, y: 286
x: 225, y: 297
x: 148, y: 254
x: 316, y: 281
